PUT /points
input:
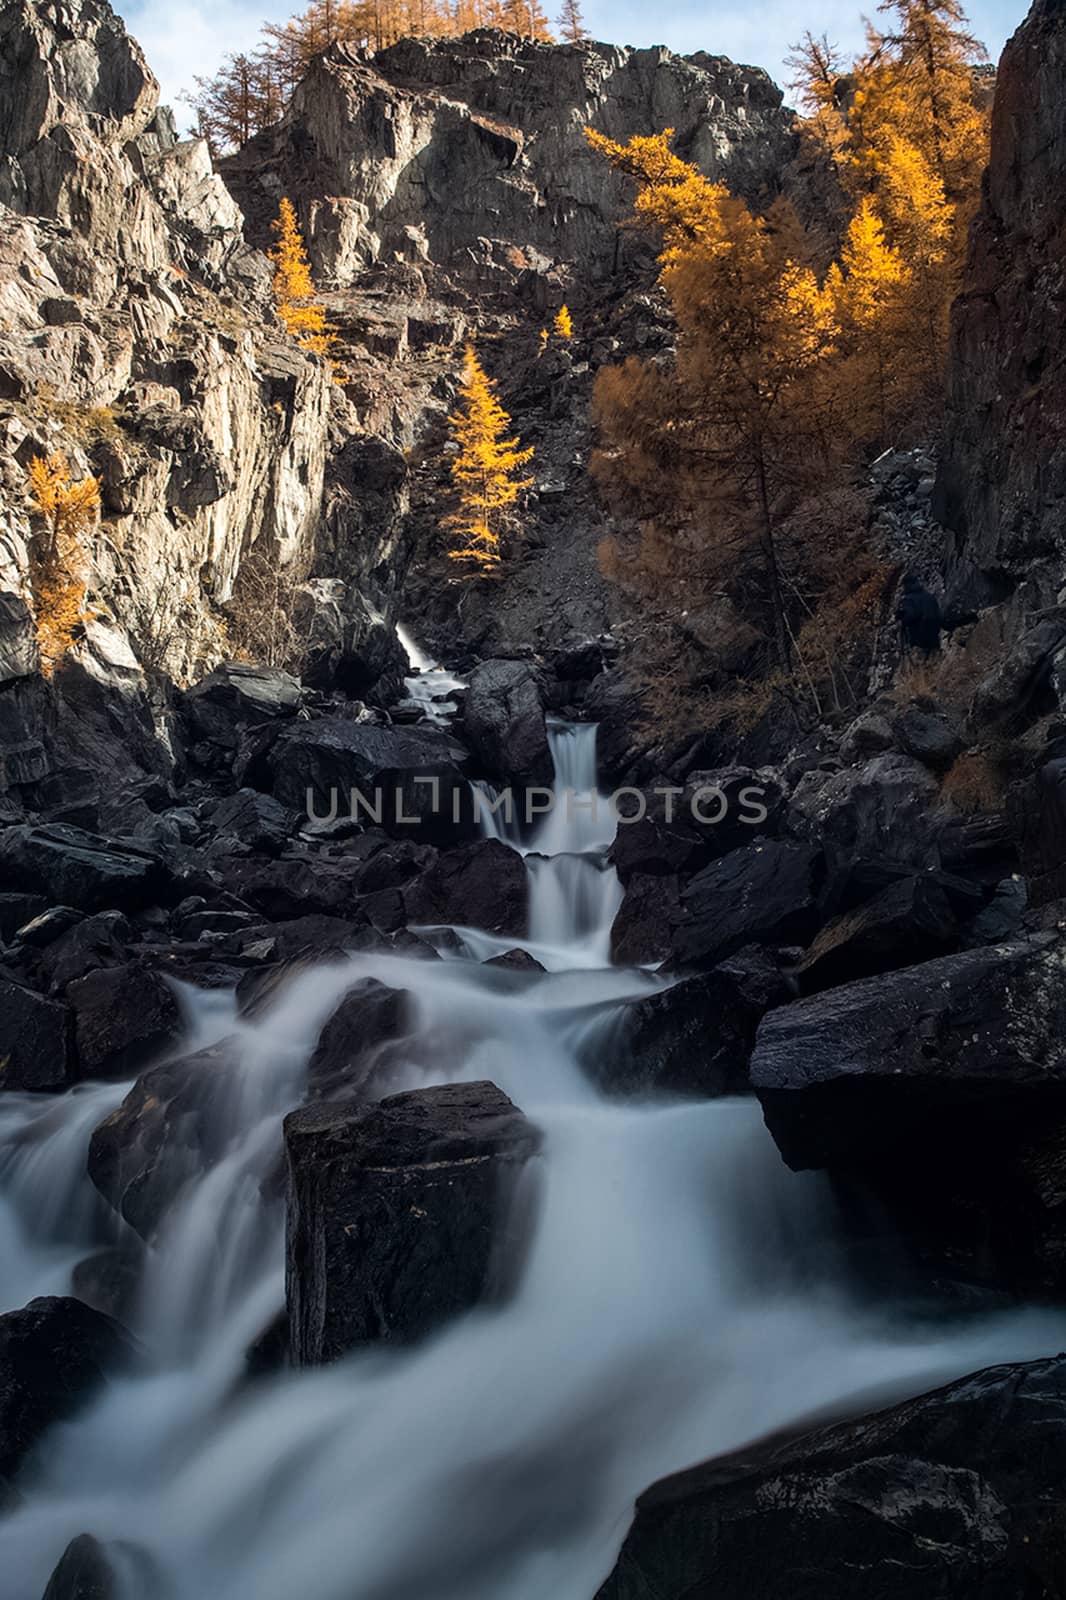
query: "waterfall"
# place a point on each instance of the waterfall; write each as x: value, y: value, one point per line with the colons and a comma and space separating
x: 430, y: 688
x: 682, y: 1296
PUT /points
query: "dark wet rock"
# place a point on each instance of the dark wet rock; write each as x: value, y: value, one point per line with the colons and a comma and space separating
x: 1038, y: 809
x: 503, y: 720
x: 665, y: 840
x: 910, y: 921
x: 481, y: 885
x: 850, y: 1073
x: 765, y: 893
x: 109, y: 1281
x: 881, y: 809
x: 18, y: 909
x: 85, y: 1572
x: 270, y: 1352
x: 295, y: 885
x: 957, y: 1493
x: 694, y: 1038
x: 37, y: 1051
x: 92, y: 943
x: 348, y: 1052
x: 123, y: 1016
x: 1003, y: 918
x: 401, y: 1214
x: 516, y: 961
x: 318, y: 939
x: 939, y: 1090
x: 169, y: 1128
x: 404, y: 779
x: 42, y: 932
x: 81, y: 869
x: 255, y: 821
x: 54, y: 1355
x: 643, y: 927
x: 927, y: 732
x: 235, y: 697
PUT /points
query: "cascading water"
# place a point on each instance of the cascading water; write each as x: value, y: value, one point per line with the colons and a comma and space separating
x: 682, y: 1296
x: 430, y: 687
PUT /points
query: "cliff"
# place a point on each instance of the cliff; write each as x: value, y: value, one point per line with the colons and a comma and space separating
x: 1002, y: 484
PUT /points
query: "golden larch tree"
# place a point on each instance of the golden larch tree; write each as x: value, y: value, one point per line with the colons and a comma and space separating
x: 563, y: 326
x: 707, y: 447
x: 60, y: 559
x: 294, y: 290
x: 485, y: 472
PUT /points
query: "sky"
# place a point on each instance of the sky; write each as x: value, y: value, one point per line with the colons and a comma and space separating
x: 184, y: 37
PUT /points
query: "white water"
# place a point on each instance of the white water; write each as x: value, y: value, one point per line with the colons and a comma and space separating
x: 684, y: 1294
x: 431, y: 686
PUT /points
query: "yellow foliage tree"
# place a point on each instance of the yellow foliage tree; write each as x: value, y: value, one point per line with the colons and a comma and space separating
x: 563, y: 326
x: 59, y: 565
x: 485, y: 472
x: 294, y: 290
x: 713, y: 442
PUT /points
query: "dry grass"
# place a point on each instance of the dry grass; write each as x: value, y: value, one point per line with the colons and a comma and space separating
x: 976, y: 781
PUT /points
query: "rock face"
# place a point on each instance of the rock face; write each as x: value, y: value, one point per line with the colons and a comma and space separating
x: 458, y: 150
x: 1003, y: 479
x: 941, y: 1089
x: 38, y: 1046
x: 138, y: 336
x: 503, y: 720
x: 84, y: 1573
x: 53, y: 1355
x: 400, y: 1214
x: 956, y: 1494
x: 763, y: 893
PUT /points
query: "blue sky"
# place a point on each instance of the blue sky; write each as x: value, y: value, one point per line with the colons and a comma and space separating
x: 185, y: 37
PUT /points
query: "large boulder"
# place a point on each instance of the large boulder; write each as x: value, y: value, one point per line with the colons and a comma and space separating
x: 348, y: 1052
x: 907, y: 922
x: 694, y: 1038
x: 401, y: 1214
x: 405, y: 779
x: 764, y: 893
x: 481, y: 885
x: 76, y: 868
x: 953, y: 1496
x: 170, y: 1127
x: 235, y: 697
x: 941, y: 1090
x: 883, y: 808
x: 123, y: 1016
x: 503, y: 720
x: 54, y: 1354
x: 85, y: 1572
x: 863, y: 1070
x: 37, y: 1050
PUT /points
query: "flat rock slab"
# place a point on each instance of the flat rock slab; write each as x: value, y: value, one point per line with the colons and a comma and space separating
x: 400, y: 1214
x: 871, y: 1069
x: 80, y: 869
x: 956, y: 1495
x: 764, y: 893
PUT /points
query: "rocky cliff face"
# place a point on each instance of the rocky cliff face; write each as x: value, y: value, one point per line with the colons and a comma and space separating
x: 470, y: 153
x: 1002, y: 488
x: 137, y: 335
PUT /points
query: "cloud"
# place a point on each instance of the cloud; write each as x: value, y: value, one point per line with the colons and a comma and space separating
x: 190, y: 37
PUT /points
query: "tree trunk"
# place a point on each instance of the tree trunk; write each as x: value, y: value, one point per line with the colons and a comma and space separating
x: 782, y: 646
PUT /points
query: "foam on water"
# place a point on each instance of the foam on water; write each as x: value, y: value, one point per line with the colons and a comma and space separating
x: 684, y: 1293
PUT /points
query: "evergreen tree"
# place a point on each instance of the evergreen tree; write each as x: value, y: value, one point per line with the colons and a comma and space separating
x: 59, y: 560
x: 563, y: 326
x: 571, y: 22
x: 739, y: 418
x: 485, y: 472
x: 294, y: 290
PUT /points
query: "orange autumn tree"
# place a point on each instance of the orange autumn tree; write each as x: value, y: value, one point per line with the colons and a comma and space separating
x: 485, y: 473
x: 60, y: 559
x: 704, y: 448
x: 563, y: 326
x: 294, y: 290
